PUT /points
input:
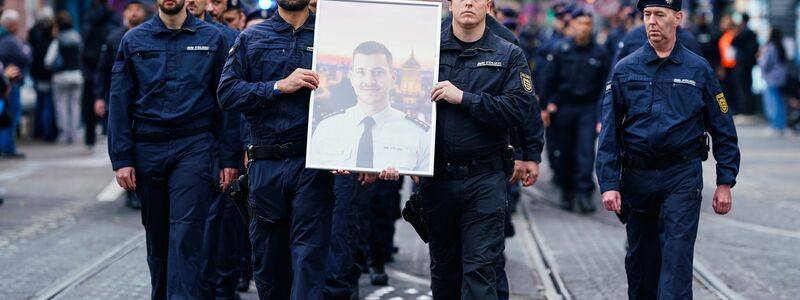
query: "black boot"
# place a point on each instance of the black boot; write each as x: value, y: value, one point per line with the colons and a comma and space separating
x: 567, y: 200
x: 586, y: 203
x: 377, y: 275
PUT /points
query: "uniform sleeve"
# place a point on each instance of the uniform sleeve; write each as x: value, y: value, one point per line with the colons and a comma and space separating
x: 549, y: 76
x: 719, y: 124
x: 236, y: 91
x: 531, y: 135
x: 244, y: 133
x: 509, y: 109
x: 230, y: 140
x: 609, y: 147
x: 101, y: 76
x: 121, y: 99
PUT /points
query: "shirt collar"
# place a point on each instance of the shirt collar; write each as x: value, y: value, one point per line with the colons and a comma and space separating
x: 190, y: 24
x: 650, y: 54
x: 380, y: 117
x: 279, y: 24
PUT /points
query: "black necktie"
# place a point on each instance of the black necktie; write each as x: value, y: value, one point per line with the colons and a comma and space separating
x: 364, y: 157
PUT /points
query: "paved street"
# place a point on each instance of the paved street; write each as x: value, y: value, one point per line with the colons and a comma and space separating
x: 64, y: 234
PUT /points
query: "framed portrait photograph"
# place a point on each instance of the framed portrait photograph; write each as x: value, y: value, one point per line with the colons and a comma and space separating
x: 377, y: 63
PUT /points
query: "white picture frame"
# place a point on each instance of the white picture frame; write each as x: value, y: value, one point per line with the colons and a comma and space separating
x: 354, y: 43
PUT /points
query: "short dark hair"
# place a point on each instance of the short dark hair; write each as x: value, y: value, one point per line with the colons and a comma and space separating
x: 372, y: 48
x: 745, y: 18
x: 64, y: 20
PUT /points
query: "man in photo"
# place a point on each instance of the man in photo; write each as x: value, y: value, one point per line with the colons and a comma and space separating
x: 371, y: 134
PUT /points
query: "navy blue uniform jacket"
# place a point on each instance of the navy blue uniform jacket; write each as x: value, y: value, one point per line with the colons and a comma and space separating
x: 654, y: 107
x: 163, y: 81
x: 498, y: 94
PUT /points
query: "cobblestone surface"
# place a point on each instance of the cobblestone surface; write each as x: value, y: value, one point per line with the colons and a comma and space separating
x: 589, y: 250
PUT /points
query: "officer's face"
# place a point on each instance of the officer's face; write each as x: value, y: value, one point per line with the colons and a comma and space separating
x: 234, y: 19
x: 196, y: 7
x: 662, y: 23
x: 293, y: 5
x: 582, y: 27
x: 371, y: 77
x: 133, y: 14
x: 470, y: 13
x: 171, y: 7
x: 216, y: 8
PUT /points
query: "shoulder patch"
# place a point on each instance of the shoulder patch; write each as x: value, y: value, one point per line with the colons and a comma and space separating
x: 723, y: 105
x: 527, y: 83
x: 608, y: 87
x: 418, y: 122
x: 331, y: 114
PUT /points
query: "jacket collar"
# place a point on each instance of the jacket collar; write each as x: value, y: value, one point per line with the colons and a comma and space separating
x: 676, y: 56
x: 190, y: 24
x: 279, y: 24
x: 484, y: 44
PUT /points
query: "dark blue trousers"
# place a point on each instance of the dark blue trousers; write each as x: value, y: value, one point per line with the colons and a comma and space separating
x: 291, y: 228
x: 44, y: 126
x: 341, y: 270
x: 574, y: 131
x: 466, y: 221
x: 224, y: 230
x: 384, y: 211
x: 175, y: 186
x: 662, y: 228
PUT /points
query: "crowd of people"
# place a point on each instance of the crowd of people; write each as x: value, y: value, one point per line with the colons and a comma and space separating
x: 186, y: 87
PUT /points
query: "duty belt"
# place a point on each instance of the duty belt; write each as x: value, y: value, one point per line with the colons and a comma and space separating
x: 159, y: 137
x: 277, y: 151
x: 665, y: 161
x: 461, y: 170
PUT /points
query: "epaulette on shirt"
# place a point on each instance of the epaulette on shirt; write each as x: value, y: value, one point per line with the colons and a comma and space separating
x: 418, y: 122
x: 331, y: 114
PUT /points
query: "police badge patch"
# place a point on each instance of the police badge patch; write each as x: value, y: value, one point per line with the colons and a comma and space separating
x: 723, y: 105
x: 526, y: 81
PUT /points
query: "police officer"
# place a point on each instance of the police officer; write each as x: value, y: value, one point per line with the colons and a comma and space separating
x: 574, y: 77
x: 660, y: 101
x: 133, y: 14
x: 163, y: 117
x: 548, y: 42
x: 234, y: 15
x: 217, y: 8
x: 465, y: 202
x: 528, y: 143
x: 223, y: 223
x: 267, y: 77
x: 371, y: 134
